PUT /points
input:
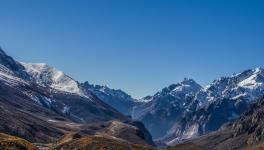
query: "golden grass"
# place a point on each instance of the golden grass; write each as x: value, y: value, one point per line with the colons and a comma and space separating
x: 186, y: 146
x: 8, y: 142
x: 258, y: 146
x: 96, y: 143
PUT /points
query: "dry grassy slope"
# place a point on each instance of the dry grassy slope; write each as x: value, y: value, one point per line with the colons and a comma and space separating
x: 75, y: 141
x: 72, y: 141
x: 129, y: 131
x: 8, y: 142
x: 118, y: 130
x: 186, y: 146
x: 259, y: 146
x: 133, y: 132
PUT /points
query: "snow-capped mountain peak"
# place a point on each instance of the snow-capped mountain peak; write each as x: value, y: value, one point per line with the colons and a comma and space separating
x: 248, y: 84
x: 188, y: 85
x: 48, y: 76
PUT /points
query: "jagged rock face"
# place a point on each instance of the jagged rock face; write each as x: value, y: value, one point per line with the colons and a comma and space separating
x: 118, y: 99
x: 205, y: 120
x: 166, y: 107
x: 251, y: 123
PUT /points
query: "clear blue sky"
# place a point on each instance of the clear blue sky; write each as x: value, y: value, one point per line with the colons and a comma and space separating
x: 139, y: 46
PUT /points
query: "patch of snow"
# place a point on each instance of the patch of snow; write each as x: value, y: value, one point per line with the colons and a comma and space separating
x: 102, y: 89
x: 50, y: 120
x: 66, y: 109
x: 191, y: 132
x: 145, y: 99
x: 251, y: 82
x: 239, y: 96
x: 39, y: 99
x: 173, y: 141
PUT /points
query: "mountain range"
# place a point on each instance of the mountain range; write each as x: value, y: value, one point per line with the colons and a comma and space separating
x: 50, y: 109
x: 187, y: 110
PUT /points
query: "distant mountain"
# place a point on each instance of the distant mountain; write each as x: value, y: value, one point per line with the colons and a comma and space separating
x: 244, y: 133
x: 187, y: 110
x: 205, y: 120
x: 40, y: 104
x: 166, y: 107
x: 247, y: 85
x: 222, y: 101
x: 115, y: 98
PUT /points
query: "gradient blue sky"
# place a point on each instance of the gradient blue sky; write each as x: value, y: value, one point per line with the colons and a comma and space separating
x: 139, y: 46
